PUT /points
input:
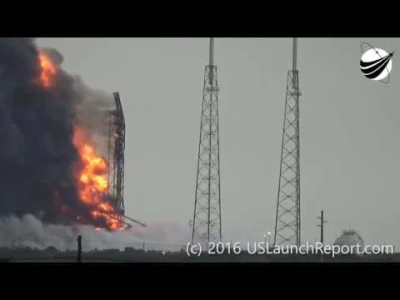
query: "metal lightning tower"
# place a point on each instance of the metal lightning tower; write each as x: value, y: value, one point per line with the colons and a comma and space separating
x: 206, y: 224
x: 116, y: 148
x: 287, y: 227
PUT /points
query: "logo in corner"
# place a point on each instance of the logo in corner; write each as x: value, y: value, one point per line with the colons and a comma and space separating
x: 376, y: 63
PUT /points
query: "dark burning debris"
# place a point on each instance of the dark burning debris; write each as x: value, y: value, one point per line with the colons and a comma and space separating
x: 48, y: 159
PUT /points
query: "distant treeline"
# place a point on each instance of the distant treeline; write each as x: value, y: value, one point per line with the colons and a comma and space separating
x: 51, y: 254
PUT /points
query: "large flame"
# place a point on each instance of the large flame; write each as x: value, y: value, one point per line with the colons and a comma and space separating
x: 48, y: 70
x: 91, y: 170
x: 92, y: 177
x: 92, y: 180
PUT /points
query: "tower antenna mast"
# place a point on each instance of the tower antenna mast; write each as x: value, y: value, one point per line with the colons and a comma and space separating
x: 287, y: 226
x: 206, y: 225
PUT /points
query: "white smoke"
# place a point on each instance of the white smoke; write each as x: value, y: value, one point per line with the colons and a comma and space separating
x: 30, y: 232
x: 93, y: 107
x: 93, y: 112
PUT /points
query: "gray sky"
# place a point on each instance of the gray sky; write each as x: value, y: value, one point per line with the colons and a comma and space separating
x: 349, y: 129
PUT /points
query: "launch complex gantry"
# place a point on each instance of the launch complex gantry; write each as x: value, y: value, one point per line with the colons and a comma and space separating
x: 116, y: 157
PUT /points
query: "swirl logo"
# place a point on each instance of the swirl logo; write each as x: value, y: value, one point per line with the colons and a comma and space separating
x: 376, y: 63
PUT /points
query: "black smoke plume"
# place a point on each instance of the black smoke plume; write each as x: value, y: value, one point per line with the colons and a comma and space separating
x: 37, y: 154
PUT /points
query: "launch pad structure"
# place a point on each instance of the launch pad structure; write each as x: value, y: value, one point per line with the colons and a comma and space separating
x: 116, y: 159
x: 116, y: 155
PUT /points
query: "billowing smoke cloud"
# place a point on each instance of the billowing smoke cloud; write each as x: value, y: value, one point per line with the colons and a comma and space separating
x: 29, y: 231
x: 40, y: 201
x: 37, y: 154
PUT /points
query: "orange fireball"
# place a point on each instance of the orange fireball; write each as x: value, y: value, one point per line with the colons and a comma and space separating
x: 92, y: 180
x: 48, y: 70
x: 93, y: 174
